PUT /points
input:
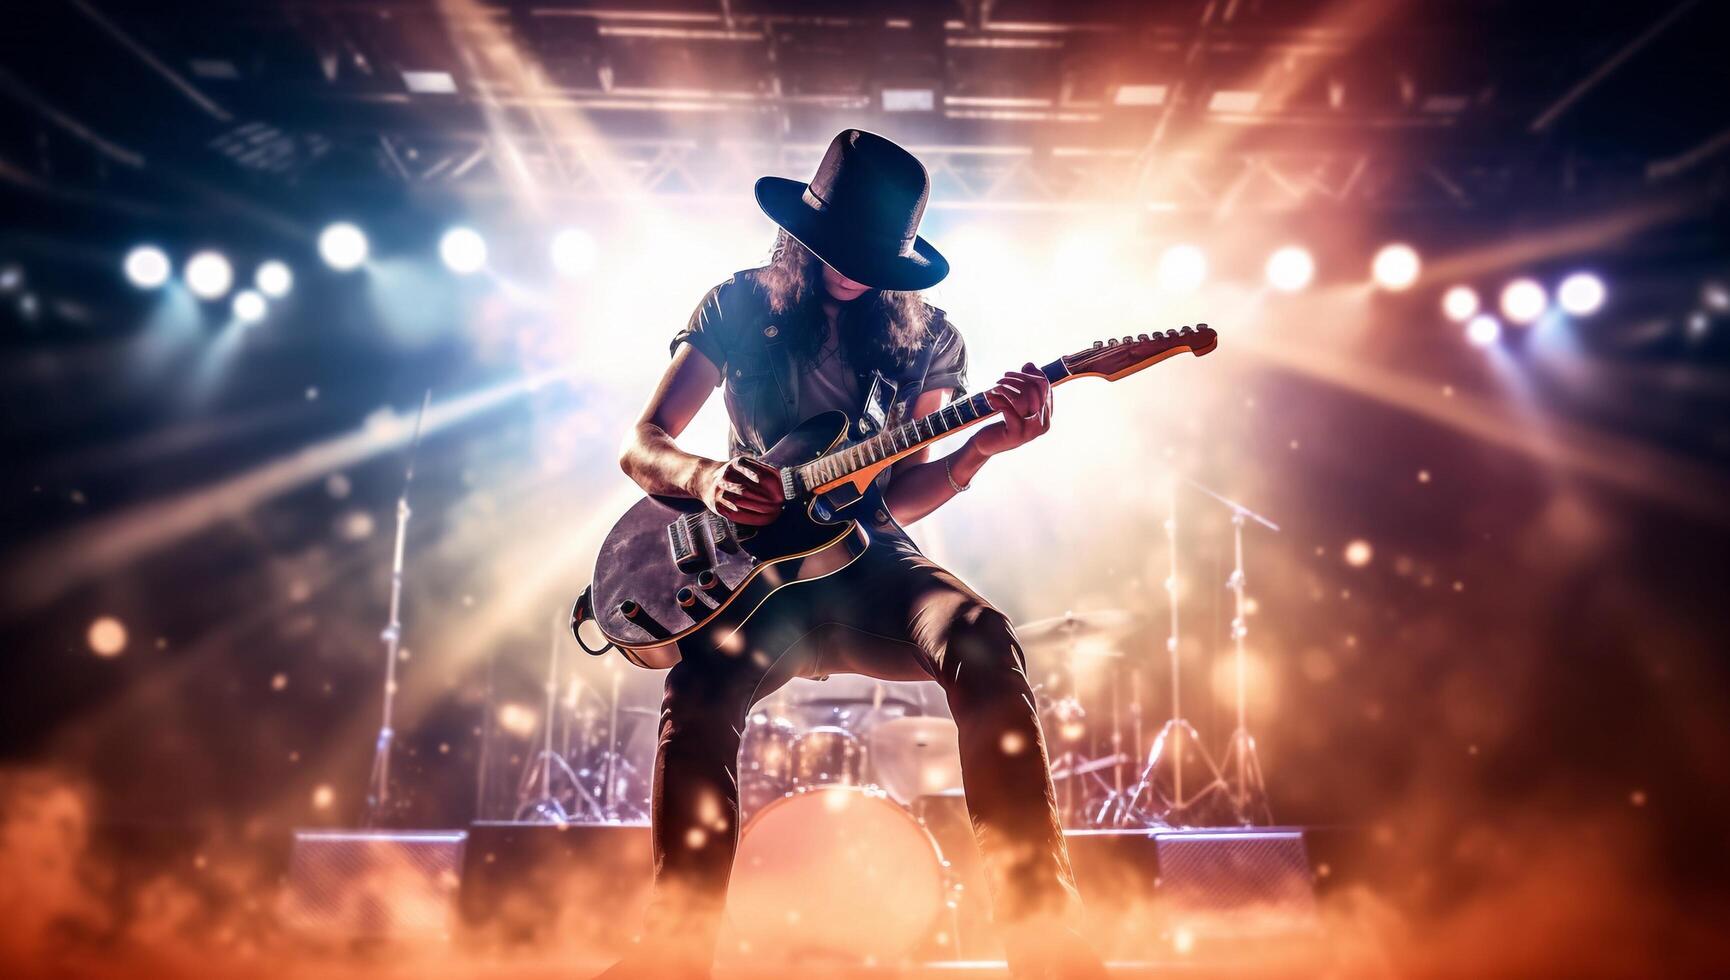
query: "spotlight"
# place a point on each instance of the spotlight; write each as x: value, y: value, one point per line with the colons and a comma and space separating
x: 1523, y: 301
x: 574, y: 253
x: 1483, y: 330
x: 1460, y: 303
x: 209, y: 275
x: 11, y: 278
x: 1396, y: 267
x: 1581, y: 294
x: 342, y: 246
x: 274, y: 279
x: 249, y: 306
x: 1290, y: 269
x: 147, y: 267
x: 464, y: 250
x: 1182, y: 269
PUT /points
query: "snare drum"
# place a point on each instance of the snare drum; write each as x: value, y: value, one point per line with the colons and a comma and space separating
x: 836, y: 872
x: 828, y: 756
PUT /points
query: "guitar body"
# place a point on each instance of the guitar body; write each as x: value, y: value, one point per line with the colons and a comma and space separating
x: 653, y: 610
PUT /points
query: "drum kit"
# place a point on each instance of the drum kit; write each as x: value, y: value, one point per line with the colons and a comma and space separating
x: 837, y: 852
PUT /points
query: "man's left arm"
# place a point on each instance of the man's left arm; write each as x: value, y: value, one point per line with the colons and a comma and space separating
x: 919, y: 484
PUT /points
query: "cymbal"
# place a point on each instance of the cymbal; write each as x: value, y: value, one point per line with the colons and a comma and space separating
x: 1057, y: 632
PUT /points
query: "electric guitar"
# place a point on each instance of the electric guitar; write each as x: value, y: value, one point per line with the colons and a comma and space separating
x: 673, y: 577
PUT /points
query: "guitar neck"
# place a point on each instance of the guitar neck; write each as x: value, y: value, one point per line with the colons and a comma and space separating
x: 870, y: 455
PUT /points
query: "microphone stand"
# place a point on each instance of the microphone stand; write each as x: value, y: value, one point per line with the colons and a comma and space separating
x: 378, y: 786
x: 1249, y: 791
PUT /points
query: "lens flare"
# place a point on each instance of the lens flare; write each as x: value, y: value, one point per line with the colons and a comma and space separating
x: 343, y: 246
x: 249, y: 306
x: 274, y: 279
x: 1290, y: 269
x: 1524, y: 301
x: 1396, y: 267
x: 209, y: 275
x: 463, y: 250
x: 1483, y: 330
x: 1460, y: 303
x: 1182, y: 269
x: 574, y: 253
x: 1581, y: 294
x: 107, y: 637
x: 147, y: 267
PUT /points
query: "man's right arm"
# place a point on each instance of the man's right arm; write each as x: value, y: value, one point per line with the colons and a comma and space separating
x: 741, y: 490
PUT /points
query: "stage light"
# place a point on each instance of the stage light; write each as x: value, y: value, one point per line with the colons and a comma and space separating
x: 1182, y: 269
x: 574, y: 253
x: 249, y: 306
x: 1523, y: 301
x: 909, y: 99
x: 1290, y: 269
x: 1715, y: 295
x: 463, y: 250
x: 106, y: 636
x: 1581, y: 294
x: 1140, y: 95
x: 1483, y: 330
x: 1396, y: 267
x: 1460, y: 303
x: 274, y: 279
x: 209, y: 275
x: 147, y: 267
x: 429, y: 82
x: 342, y: 246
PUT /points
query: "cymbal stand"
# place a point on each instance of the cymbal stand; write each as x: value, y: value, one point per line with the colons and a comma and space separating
x: 548, y: 765
x: 1177, y: 736
x: 1249, y: 791
x: 378, y: 800
x: 617, y: 771
x: 1072, y: 765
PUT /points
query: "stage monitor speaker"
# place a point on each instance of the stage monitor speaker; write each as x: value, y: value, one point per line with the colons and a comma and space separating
x: 1148, y: 892
x: 1249, y: 881
x: 581, y: 884
x: 372, y: 885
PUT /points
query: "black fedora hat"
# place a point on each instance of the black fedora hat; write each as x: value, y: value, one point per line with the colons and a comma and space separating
x: 861, y: 213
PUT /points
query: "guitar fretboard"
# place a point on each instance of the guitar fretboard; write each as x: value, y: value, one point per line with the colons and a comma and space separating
x: 907, y: 437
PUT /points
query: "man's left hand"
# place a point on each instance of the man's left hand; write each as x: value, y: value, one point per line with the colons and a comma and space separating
x: 1024, y: 398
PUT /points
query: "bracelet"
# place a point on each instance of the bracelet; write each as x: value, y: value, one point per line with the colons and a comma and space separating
x: 958, y: 488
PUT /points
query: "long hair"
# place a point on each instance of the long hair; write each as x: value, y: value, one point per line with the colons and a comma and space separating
x: 881, y: 329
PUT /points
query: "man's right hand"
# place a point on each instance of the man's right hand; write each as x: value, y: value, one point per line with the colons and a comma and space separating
x: 743, y: 490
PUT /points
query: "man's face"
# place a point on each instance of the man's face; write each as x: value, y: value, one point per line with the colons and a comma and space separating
x: 840, y: 287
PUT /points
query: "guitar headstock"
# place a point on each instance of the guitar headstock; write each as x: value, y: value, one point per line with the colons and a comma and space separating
x: 1115, y: 358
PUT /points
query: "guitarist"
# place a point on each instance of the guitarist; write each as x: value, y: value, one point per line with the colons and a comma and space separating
x: 836, y: 321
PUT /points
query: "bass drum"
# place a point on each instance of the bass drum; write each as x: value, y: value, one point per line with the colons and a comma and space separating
x: 835, y: 872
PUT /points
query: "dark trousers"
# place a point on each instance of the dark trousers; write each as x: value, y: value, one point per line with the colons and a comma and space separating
x: 895, y: 615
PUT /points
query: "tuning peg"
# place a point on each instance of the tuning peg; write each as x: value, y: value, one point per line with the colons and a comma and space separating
x: 1186, y: 330
x: 1128, y: 340
x: 1201, y: 326
x: 1098, y: 344
x: 1141, y: 336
